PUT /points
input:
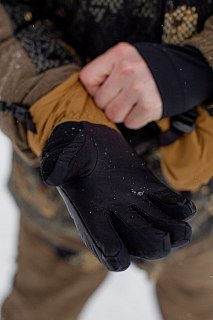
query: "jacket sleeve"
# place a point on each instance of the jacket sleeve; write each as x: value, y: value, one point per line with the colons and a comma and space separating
x: 183, y: 73
x: 33, y: 61
x: 203, y: 41
x: 183, y: 76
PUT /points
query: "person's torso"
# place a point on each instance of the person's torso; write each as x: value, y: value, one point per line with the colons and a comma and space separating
x: 93, y: 26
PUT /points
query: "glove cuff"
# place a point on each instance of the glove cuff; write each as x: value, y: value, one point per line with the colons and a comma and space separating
x: 68, y: 102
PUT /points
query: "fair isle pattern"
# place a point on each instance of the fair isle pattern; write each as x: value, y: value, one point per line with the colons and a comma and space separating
x: 145, y: 9
x: 179, y: 25
x: 44, y: 46
x: 98, y: 8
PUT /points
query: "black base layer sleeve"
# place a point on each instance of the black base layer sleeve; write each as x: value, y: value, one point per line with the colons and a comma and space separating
x: 183, y: 76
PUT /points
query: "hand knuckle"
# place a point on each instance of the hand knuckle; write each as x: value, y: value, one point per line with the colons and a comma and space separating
x: 83, y: 77
x: 98, y: 100
x: 135, y: 90
x: 126, y: 69
x: 121, y: 48
x: 130, y: 123
x: 143, y: 64
x: 113, y: 114
x: 147, y: 108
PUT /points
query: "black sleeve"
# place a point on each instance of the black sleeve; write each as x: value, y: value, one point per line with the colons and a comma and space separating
x: 183, y: 76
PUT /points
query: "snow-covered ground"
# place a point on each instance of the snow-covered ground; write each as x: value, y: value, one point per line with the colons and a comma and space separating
x: 127, y: 295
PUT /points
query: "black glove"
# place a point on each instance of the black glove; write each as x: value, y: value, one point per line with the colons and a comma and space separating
x: 119, y: 207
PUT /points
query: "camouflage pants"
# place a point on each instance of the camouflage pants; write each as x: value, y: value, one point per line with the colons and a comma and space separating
x: 56, y: 273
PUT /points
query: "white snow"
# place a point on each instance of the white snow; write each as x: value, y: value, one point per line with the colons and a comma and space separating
x: 127, y: 295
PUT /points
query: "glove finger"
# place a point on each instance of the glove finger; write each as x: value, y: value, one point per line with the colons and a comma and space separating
x: 179, y: 231
x: 104, y: 241
x: 173, y: 204
x: 141, y: 238
x: 99, y: 235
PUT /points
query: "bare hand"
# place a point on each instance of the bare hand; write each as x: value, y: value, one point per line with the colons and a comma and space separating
x: 123, y: 86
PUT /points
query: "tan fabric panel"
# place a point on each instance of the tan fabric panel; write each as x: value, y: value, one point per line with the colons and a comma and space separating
x: 68, y: 102
x: 187, y: 163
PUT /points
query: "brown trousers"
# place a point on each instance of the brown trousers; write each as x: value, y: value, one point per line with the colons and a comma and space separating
x: 185, y: 286
x: 48, y: 286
